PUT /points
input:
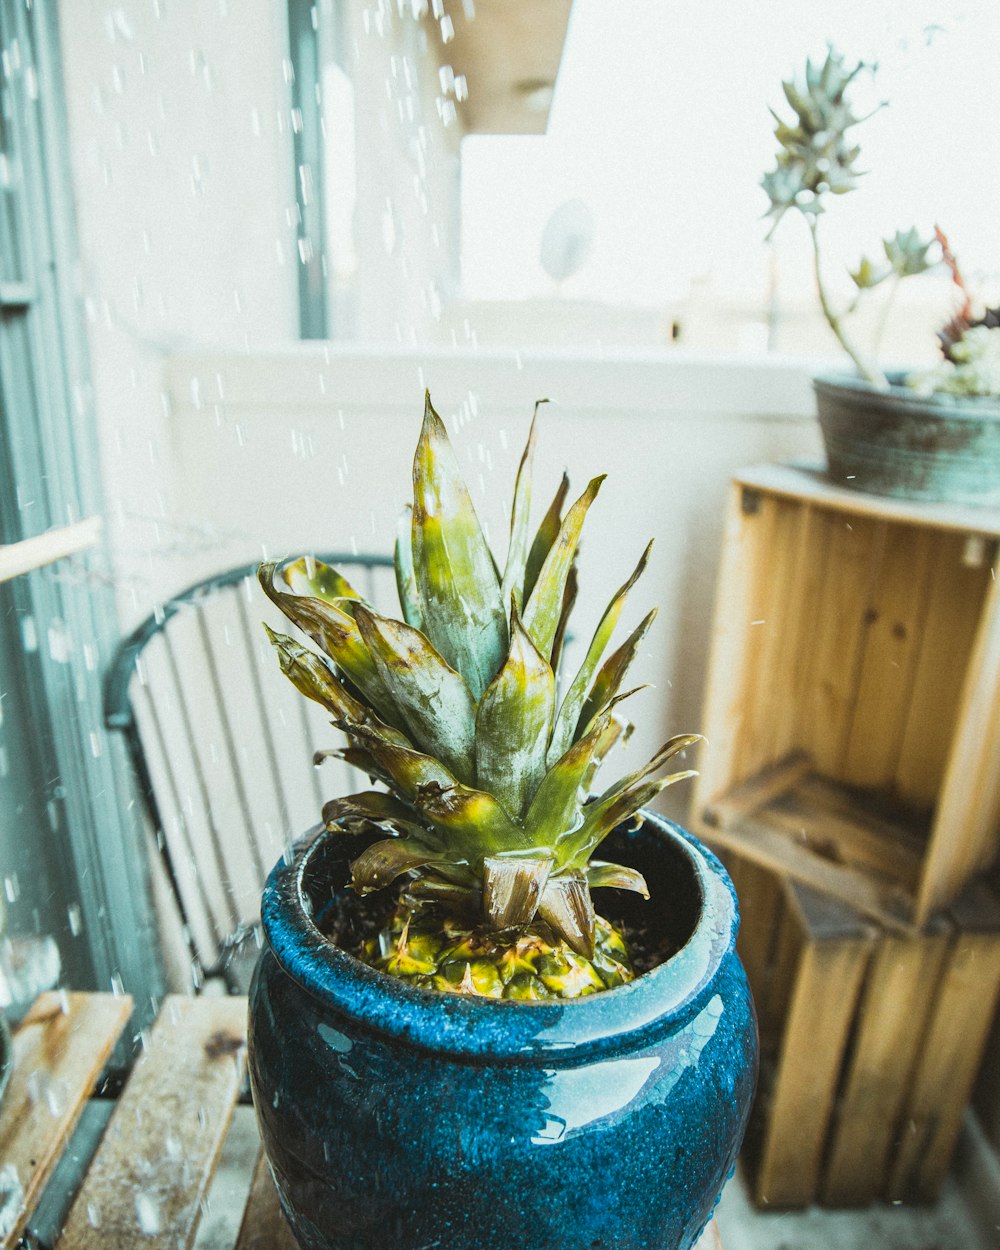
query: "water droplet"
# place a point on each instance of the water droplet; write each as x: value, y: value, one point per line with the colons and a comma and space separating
x: 147, y: 1212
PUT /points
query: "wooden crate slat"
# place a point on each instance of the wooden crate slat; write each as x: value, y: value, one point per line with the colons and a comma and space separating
x: 848, y: 837
x: 264, y: 1226
x: 759, y: 839
x: 730, y: 809
x: 149, y: 1177
x: 965, y: 830
x: 835, y: 648
x: 759, y: 893
x: 775, y: 627
x: 896, y: 1002
x: 827, y: 982
x: 60, y: 1050
x: 955, y: 603
x: 951, y: 1052
x: 798, y: 481
x: 895, y: 611
x: 731, y: 657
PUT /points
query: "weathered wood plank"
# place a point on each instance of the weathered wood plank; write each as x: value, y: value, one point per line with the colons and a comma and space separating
x: 892, y: 1018
x: 955, y: 604
x: 951, y: 1052
x: 895, y: 611
x: 735, y: 642
x: 964, y: 837
x: 147, y: 1182
x: 264, y: 1226
x: 60, y: 1049
x: 828, y: 979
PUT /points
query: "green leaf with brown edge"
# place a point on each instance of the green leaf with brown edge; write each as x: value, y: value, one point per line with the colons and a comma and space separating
x: 548, y: 532
x: 410, y: 771
x: 572, y: 704
x: 512, y: 889
x: 601, y: 818
x: 517, y: 551
x: 433, y: 700
x: 478, y: 823
x: 381, y: 863
x: 567, y: 908
x: 309, y: 576
x: 601, y: 875
x: 608, y: 681
x: 313, y: 677
x: 406, y: 578
x: 557, y: 804
x: 336, y: 633
x: 371, y: 805
x: 570, y: 592
x: 617, y: 730
x: 455, y: 574
x: 541, y: 615
x: 514, y: 721
x: 357, y: 757
x: 613, y: 805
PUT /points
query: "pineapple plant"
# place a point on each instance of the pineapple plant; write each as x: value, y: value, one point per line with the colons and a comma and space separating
x: 484, y: 821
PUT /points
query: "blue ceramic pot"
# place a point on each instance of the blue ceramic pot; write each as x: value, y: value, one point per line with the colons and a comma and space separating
x: 407, y: 1119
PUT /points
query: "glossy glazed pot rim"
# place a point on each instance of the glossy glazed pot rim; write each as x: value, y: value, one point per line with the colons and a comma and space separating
x: 943, y: 406
x: 498, y: 1030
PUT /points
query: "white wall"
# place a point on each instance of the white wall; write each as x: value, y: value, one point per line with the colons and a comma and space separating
x: 180, y: 146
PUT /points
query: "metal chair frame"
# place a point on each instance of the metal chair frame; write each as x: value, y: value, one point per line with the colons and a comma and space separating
x: 120, y: 716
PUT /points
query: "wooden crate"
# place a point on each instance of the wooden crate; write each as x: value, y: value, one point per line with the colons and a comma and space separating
x: 870, y: 1040
x: 853, y: 704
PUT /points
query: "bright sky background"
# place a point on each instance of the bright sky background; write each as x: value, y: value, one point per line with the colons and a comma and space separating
x: 660, y: 124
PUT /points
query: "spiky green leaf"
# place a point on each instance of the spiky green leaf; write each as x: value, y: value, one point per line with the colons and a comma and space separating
x: 308, y: 576
x: 406, y: 578
x: 513, y: 723
x: 336, y: 633
x: 456, y: 578
x: 546, y: 535
x: 374, y: 806
x: 617, y: 877
x: 541, y: 615
x: 612, y: 673
x: 569, y: 711
x: 476, y: 824
x: 517, y: 552
x: 622, y: 799
x: 313, y: 677
x: 437, y: 709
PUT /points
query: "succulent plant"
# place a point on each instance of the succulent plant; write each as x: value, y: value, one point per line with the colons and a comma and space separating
x: 486, y: 814
x: 816, y: 160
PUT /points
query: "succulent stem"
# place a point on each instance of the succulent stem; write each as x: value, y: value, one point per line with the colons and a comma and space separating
x: 868, y: 369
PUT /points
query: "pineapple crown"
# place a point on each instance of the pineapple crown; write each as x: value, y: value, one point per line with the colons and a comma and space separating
x: 455, y: 710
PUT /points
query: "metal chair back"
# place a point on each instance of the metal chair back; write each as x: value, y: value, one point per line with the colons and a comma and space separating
x: 222, y: 748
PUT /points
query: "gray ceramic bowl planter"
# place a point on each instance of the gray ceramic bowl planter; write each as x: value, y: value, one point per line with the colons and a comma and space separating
x: 940, y: 448
x: 401, y: 1118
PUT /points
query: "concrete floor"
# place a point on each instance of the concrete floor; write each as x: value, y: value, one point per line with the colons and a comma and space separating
x: 947, y: 1226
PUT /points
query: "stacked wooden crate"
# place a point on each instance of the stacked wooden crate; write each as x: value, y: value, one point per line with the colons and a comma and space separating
x: 852, y: 784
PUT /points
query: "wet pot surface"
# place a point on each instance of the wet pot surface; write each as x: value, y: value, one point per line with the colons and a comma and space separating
x: 398, y: 1117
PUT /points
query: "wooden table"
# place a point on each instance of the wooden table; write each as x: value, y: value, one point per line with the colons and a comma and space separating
x: 145, y: 1184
